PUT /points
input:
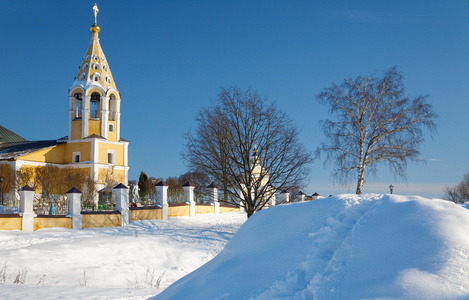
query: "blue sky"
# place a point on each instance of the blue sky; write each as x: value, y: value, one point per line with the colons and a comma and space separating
x: 170, y: 58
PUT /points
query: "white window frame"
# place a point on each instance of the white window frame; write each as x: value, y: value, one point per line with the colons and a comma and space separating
x: 75, y: 154
x: 113, y: 157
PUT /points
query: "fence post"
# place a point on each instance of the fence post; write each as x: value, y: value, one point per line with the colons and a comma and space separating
x: 162, y: 198
x: 213, y: 197
x: 189, y: 195
x: 74, y: 208
x: 26, y: 208
x: 285, y: 196
x: 301, y: 196
x: 122, y: 203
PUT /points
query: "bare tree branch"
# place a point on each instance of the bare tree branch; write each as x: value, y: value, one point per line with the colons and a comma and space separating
x: 222, y: 147
x: 375, y: 123
x: 459, y: 193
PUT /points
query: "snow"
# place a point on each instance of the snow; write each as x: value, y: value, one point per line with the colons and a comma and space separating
x: 110, y: 263
x: 344, y: 247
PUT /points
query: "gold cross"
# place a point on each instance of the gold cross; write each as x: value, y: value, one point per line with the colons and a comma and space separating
x: 95, y: 9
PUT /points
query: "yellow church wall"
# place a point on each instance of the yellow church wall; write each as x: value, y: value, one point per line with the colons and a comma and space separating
x: 84, y: 148
x: 51, y: 221
x: 204, y: 209
x: 86, y: 172
x: 54, y: 154
x: 105, y: 173
x: 140, y: 213
x: 9, y: 222
x: 94, y: 127
x: 112, y: 136
x: 76, y: 130
x: 178, y: 210
x: 119, y: 175
x: 102, y: 173
x: 27, y: 174
x: 118, y: 152
x: 101, y: 219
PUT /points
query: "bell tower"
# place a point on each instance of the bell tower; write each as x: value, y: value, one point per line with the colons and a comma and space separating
x: 94, y: 142
x: 94, y: 101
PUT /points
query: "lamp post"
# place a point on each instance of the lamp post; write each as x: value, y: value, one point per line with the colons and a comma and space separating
x: 1, y: 188
x: 391, y: 188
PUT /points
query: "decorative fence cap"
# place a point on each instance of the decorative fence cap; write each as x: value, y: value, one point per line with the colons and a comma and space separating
x: 188, y: 184
x: 73, y: 191
x: 300, y: 193
x: 121, y: 186
x: 212, y: 186
x: 161, y: 183
x: 284, y: 192
x: 316, y: 194
x: 26, y: 188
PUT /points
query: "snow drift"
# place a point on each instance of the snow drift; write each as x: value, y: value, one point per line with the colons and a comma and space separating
x: 345, y: 247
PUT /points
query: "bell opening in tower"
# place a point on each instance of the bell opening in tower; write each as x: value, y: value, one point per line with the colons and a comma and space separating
x: 77, y: 106
x: 112, y: 107
x: 95, y: 104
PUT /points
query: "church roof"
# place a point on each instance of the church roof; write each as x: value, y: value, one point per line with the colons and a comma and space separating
x: 94, y: 69
x: 7, y: 136
x: 12, y: 150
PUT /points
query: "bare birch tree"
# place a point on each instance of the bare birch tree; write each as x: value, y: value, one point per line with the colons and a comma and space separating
x: 247, y: 146
x: 459, y: 193
x: 375, y: 123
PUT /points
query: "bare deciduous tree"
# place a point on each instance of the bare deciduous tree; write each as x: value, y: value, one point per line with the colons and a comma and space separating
x: 223, y: 147
x: 53, y: 182
x: 376, y: 123
x: 458, y: 193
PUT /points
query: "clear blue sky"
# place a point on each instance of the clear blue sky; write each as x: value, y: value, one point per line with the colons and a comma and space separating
x: 169, y: 58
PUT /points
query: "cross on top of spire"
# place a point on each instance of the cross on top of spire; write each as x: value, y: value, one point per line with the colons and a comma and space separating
x: 95, y: 10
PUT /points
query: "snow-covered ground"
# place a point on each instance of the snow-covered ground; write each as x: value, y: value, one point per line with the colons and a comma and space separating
x: 345, y: 247
x: 110, y: 263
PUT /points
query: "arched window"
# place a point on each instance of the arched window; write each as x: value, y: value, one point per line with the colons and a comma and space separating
x: 77, y: 105
x: 111, y: 157
x: 95, y: 105
x: 112, y: 107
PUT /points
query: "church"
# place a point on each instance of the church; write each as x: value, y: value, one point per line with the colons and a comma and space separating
x: 93, y: 144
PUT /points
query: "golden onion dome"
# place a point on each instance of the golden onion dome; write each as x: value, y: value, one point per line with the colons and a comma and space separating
x: 95, y: 28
